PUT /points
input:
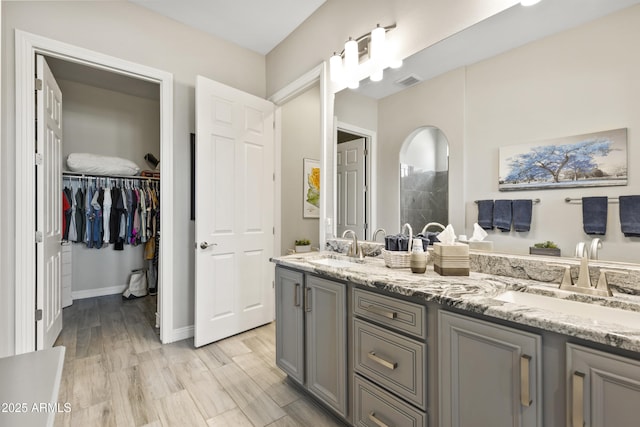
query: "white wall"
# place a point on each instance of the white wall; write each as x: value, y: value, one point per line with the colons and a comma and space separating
x: 126, y: 31
x: 300, y: 139
x: 580, y: 81
x: 357, y: 110
x: 420, y: 23
x: 108, y: 123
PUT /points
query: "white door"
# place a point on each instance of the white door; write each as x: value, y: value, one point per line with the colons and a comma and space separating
x: 234, y: 211
x: 49, y: 206
x: 351, y: 187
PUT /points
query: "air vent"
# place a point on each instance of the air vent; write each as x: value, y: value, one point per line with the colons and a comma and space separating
x: 410, y: 80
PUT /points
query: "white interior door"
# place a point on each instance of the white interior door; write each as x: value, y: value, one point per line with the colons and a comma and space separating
x: 234, y: 211
x: 351, y: 187
x: 48, y: 206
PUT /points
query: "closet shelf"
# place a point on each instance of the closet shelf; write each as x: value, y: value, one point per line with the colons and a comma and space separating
x: 91, y: 175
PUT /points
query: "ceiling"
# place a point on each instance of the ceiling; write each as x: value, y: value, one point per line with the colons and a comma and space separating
x: 259, y: 25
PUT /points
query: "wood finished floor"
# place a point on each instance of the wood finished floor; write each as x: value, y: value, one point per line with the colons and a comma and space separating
x: 116, y: 373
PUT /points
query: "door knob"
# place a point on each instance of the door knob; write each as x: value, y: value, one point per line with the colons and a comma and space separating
x: 205, y: 245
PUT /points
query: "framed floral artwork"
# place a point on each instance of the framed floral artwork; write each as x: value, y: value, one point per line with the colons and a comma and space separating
x: 311, y: 188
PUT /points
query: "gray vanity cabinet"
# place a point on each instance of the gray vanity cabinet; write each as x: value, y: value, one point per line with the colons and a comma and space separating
x: 290, y: 323
x: 390, y: 360
x: 490, y: 375
x: 603, y: 390
x: 311, y: 334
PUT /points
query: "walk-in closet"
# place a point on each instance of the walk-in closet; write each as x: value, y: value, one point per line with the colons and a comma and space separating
x: 111, y: 217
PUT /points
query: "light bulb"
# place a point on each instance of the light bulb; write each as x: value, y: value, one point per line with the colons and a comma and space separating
x: 377, y: 75
x: 378, y: 36
x: 335, y: 67
x: 351, y: 63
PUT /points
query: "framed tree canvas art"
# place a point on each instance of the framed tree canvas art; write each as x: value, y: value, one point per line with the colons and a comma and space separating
x: 311, y: 188
x: 590, y: 160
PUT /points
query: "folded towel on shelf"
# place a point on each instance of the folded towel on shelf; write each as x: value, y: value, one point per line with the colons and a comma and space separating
x: 630, y: 215
x: 502, y: 215
x: 522, y: 214
x: 485, y: 214
x: 594, y: 214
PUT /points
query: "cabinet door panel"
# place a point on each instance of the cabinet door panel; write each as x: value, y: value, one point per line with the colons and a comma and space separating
x: 481, y: 369
x: 610, y: 388
x: 325, y: 304
x: 290, y: 323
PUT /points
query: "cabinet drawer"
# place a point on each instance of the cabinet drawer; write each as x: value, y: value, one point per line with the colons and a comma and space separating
x: 374, y: 407
x: 402, y: 315
x: 391, y: 360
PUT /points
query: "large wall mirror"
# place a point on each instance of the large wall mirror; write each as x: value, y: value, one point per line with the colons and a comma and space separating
x: 486, y: 91
x: 424, y: 178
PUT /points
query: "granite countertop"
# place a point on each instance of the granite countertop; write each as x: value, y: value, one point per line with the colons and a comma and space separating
x: 476, y: 293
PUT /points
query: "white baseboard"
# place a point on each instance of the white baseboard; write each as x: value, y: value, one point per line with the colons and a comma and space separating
x: 181, y: 333
x: 90, y: 293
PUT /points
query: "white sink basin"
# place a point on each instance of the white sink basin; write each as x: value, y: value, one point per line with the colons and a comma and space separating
x: 573, y: 308
x: 334, y: 262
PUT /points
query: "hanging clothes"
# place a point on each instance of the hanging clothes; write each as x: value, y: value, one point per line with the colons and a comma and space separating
x: 80, y: 215
x: 73, y: 233
x: 106, y: 216
x: 66, y: 215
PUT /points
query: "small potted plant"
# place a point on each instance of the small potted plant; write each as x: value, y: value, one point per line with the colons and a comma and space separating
x: 303, y: 245
x: 545, y: 248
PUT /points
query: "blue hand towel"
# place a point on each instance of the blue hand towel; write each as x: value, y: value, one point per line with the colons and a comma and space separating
x: 522, y: 214
x: 502, y: 215
x: 630, y: 215
x: 594, y: 215
x: 485, y: 214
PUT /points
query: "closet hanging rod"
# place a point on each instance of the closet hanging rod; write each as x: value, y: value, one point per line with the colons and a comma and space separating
x: 579, y: 199
x: 89, y: 175
x: 533, y: 200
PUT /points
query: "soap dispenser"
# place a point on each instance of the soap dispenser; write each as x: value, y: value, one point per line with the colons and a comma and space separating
x: 418, y: 258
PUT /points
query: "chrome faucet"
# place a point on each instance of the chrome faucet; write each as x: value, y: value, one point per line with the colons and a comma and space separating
x: 375, y: 233
x: 591, y: 252
x: 354, y: 250
x: 596, y: 244
x: 437, y: 224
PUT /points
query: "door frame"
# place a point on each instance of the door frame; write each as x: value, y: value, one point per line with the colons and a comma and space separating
x: 27, y: 45
x: 370, y: 145
x: 317, y: 75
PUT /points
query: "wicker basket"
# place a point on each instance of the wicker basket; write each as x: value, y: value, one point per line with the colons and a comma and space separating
x: 399, y: 259
x: 396, y: 259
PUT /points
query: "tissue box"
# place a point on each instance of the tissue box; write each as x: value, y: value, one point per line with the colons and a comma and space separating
x: 482, y: 245
x: 451, y: 260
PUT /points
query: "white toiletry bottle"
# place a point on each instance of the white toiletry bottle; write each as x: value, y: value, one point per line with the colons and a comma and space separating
x: 418, y: 260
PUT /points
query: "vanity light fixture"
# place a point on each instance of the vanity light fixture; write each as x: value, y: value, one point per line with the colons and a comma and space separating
x: 346, y: 68
x: 529, y: 2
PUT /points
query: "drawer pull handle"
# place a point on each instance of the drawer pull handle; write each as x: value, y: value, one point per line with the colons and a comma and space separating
x: 525, y: 398
x: 376, y: 420
x: 381, y: 311
x: 296, y: 295
x: 578, y: 399
x: 391, y: 365
x: 307, y: 299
